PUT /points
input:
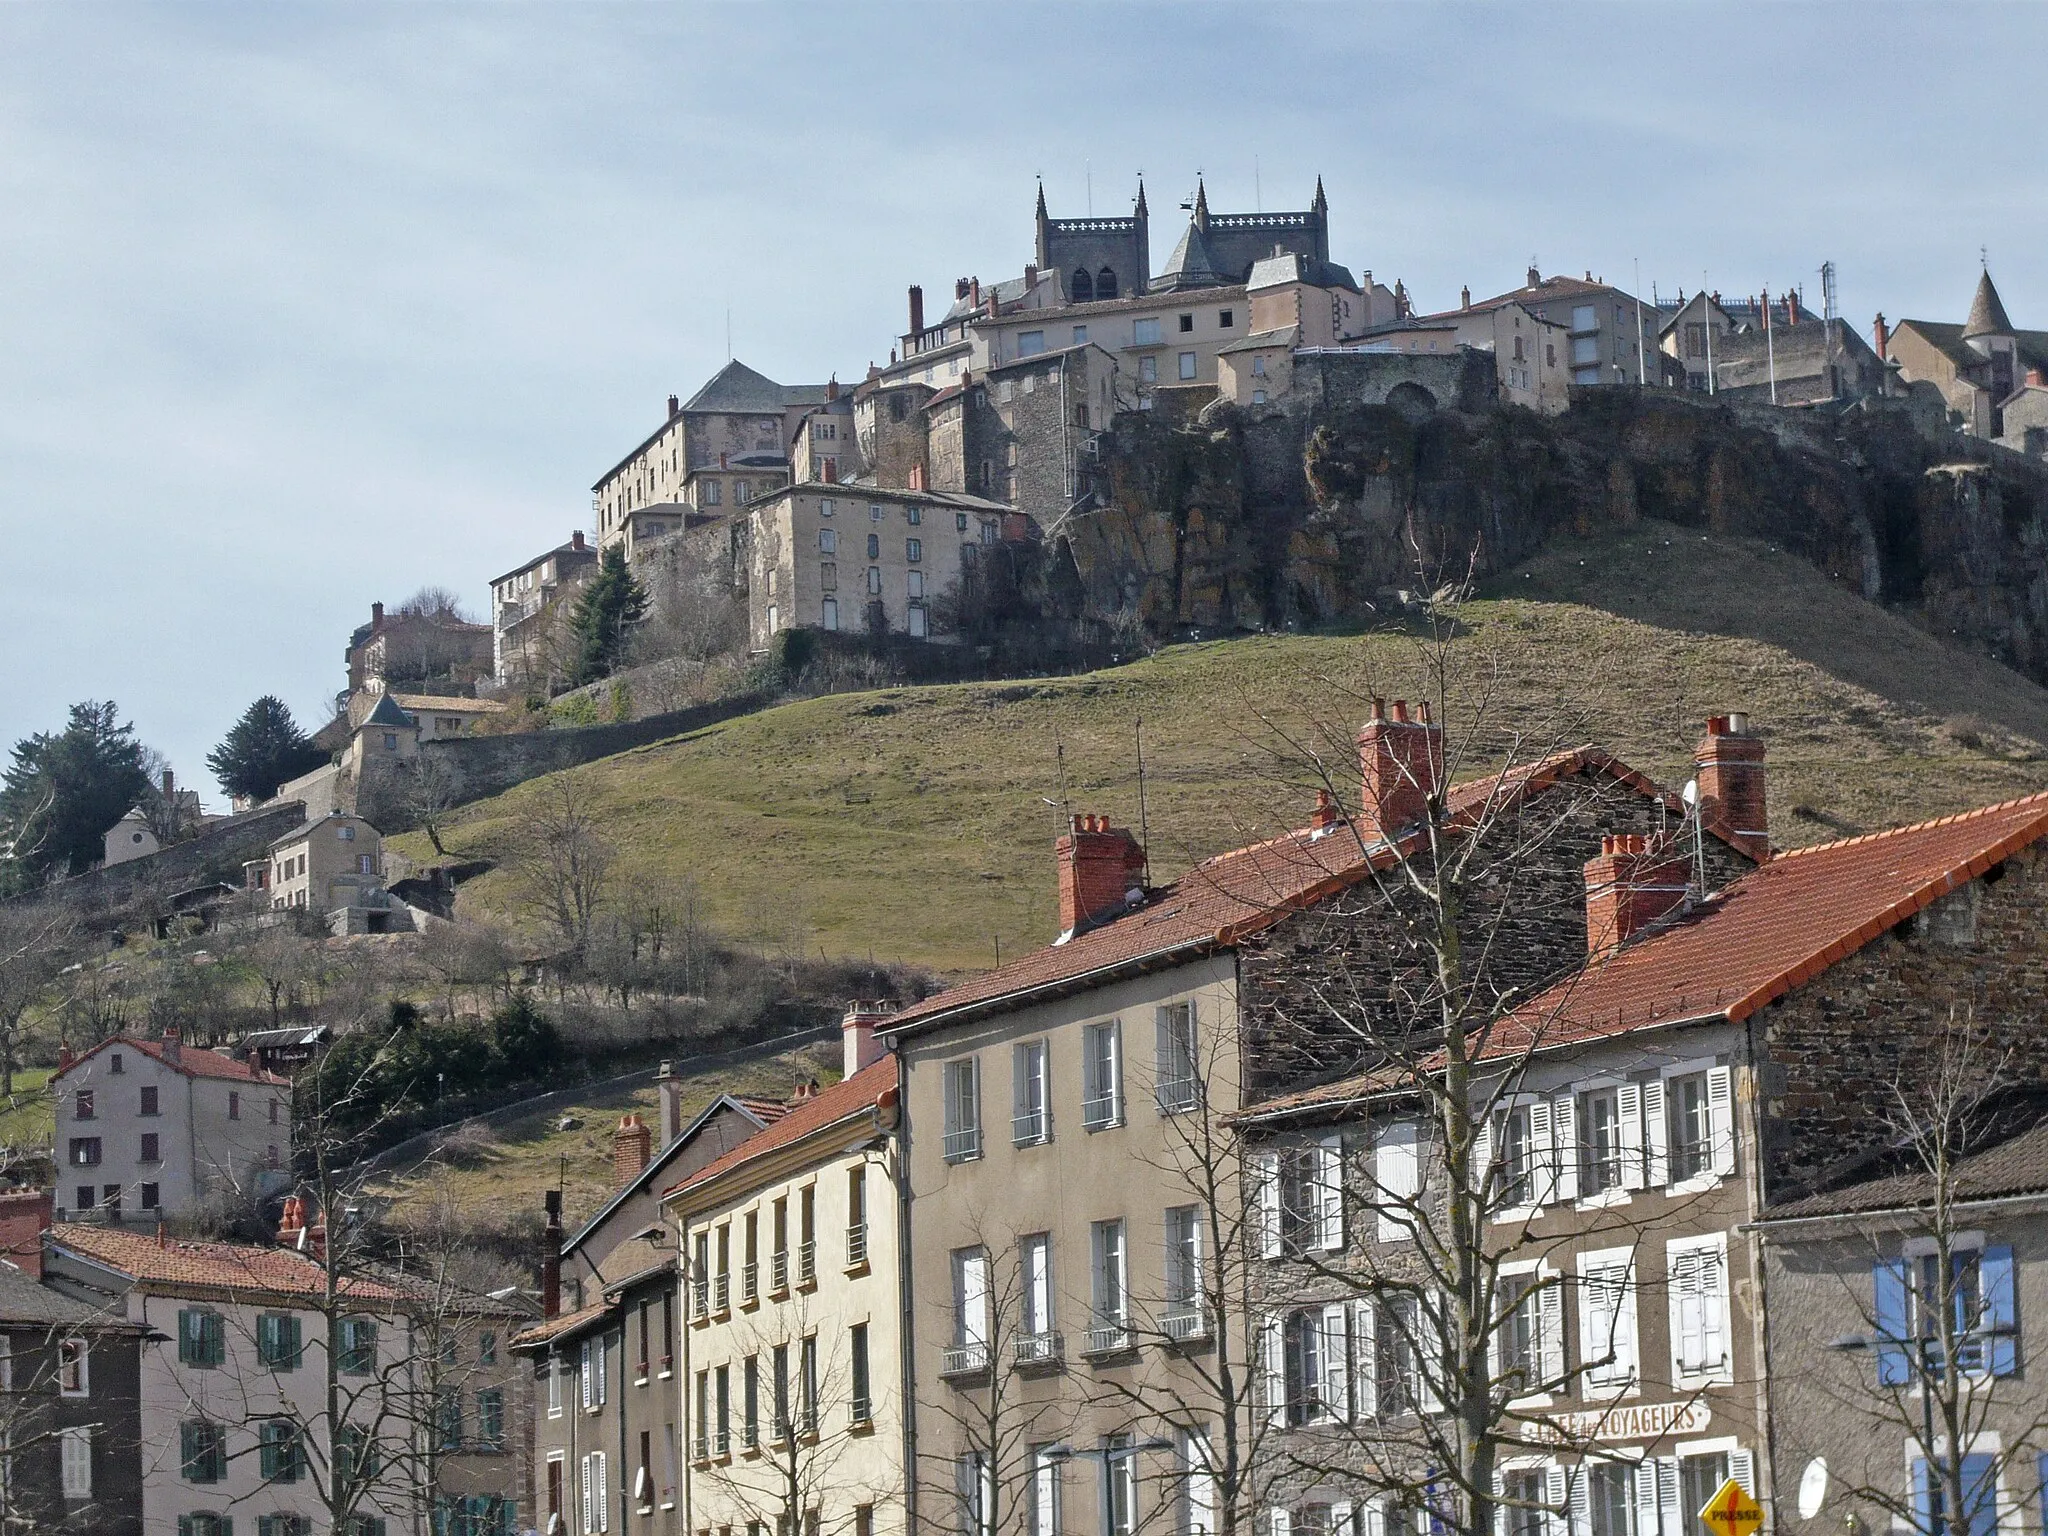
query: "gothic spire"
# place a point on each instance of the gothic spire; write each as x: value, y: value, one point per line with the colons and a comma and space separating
x: 1141, y: 209
x: 1201, y: 203
x: 1041, y: 197
x: 1322, y: 203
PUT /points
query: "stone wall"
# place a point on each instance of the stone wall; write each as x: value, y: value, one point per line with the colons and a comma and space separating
x: 216, y: 854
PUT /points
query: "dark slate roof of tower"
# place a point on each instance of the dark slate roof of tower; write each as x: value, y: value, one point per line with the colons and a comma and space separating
x: 1987, y: 313
x: 387, y: 712
x: 736, y: 387
x: 1191, y: 265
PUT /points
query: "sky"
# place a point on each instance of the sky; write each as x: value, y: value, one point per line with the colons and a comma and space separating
x: 308, y: 306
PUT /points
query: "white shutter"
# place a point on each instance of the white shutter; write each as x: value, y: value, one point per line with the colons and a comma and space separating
x: 1364, y: 1367
x: 1279, y: 1522
x: 974, y: 1298
x: 1336, y: 1362
x: 1266, y: 1203
x: 1607, y: 1323
x: 1375, y: 1522
x: 1340, y: 1519
x: 1629, y: 1111
x: 1669, y: 1496
x: 1647, y: 1523
x: 1201, y: 1486
x: 1116, y: 1069
x: 1721, y: 1119
x: 1550, y: 1333
x: 589, y: 1524
x: 1713, y: 1284
x: 1682, y: 1280
x: 1396, y: 1174
x: 1428, y: 1358
x: 604, y: 1494
x: 1579, y: 1502
x: 1482, y: 1155
x: 1273, y: 1369
x: 1542, y: 1154
x: 1555, y: 1496
x: 1330, y: 1191
x: 1656, y: 1135
x: 1742, y: 1467
x: 1564, y: 1120
x: 584, y: 1359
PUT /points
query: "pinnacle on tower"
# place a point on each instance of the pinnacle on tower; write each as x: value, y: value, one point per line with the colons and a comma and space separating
x: 1041, y: 197
x: 1987, y: 312
x: 1322, y: 203
x: 1141, y: 209
x: 1201, y: 202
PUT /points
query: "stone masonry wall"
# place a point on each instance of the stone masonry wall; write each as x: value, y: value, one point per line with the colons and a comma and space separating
x: 216, y: 854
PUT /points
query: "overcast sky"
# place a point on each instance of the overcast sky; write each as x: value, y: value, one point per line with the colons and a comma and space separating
x: 307, y: 306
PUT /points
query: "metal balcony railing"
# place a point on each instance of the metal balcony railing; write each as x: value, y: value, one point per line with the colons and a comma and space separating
x: 806, y: 1263
x: 856, y: 1245
x: 750, y: 1282
x: 778, y: 1270
x: 1185, y: 1321
x: 721, y: 1293
x: 1040, y: 1348
x: 700, y: 1298
x: 963, y: 1146
x: 1101, y: 1111
x: 964, y: 1360
x: 1030, y: 1129
x: 1107, y: 1336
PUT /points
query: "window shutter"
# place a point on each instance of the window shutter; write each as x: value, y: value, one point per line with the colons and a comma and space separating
x: 1579, y: 1503
x: 1336, y: 1361
x: 1340, y: 1519
x: 1713, y: 1273
x: 1279, y: 1522
x: 1364, y: 1367
x: 1688, y: 1332
x: 1482, y: 1157
x: 587, y: 1502
x: 1273, y: 1363
x: 1330, y: 1191
x: 1396, y: 1177
x: 1375, y: 1522
x: 1721, y: 1119
x: 604, y: 1495
x: 2001, y: 1309
x: 1266, y: 1172
x: 1556, y: 1496
x: 1888, y: 1284
x: 1656, y: 1129
x: 1542, y: 1154
x: 1115, y: 1066
x: 1670, y: 1496
x: 1550, y: 1334
x: 1564, y: 1121
x: 583, y: 1367
x: 1646, y: 1496
x: 1742, y: 1467
x: 1629, y: 1111
x: 1429, y: 1354
x: 184, y: 1525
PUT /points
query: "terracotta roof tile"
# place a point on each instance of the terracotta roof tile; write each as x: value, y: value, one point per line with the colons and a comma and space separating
x: 1235, y: 895
x: 1755, y: 940
x: 871, y: 1085
x: 192, y: 1061
x: 211, y: 1266
x: 549, y: 1329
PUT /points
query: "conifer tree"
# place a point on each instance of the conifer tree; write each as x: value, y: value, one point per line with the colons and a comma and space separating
x: 265, y: 749
x: 605, y: 616
x: 61, y: 792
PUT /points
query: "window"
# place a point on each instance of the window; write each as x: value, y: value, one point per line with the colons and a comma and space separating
x: 807, y: 1234
x: 874, y: 580
x: 1698, y: 1285
x: 750, y: 1402
x: 828, y: 540
x: 874, y: 512
x: 1187, y: 366
x: 557, y: 1367
x: 74, y: 1368
x: 1603, y: 1146
x: 1301, y: 1198
x: 202, y: 1451
x: 487, y: 1348
x: 1402, y: 1345
x: 1225, y: 319
x: 1397, y: 1179
x: 721, y: 1426
x: 778, y: 1260
x: 280, y: 1457
x: 1979, y: 1296
x: 348, y: 834
x: 970, y: 1313
x: 88, y: 1197
x: 234, y: 1105
x: 1031, y: 1114
x: 1698, y: 1123
x: 357, y: 1346
x: 1584, y: 317
x: 1610, y: 1494
x: 82, y: 1104
x: 913, y: 550
x: 1148, y: 370
x: 1316, y: 1352
x: 1105, y: 283
x: 874, y: 546
x: 700, y: 1277
x: 916, y: 583
x: 1119, y: 1486
x: 597, y: 1512
x: 278, y: 1344
x: 856, y: 1216
x: 149, y: 1148
x: 1109, y: 1287
x: 115, y: 1065
x: 1145, y: 333
x: 391, y: 741
x: 448, y: 1420
x: 1258, y: 397
x: 1259, y: 366
x: 857, y: 1350
x: 741, y: 492
x: 75, y: 1460
x: 1034, y: 1271
x: 1513, y: 1155
x: 828, y: 507
x: 207, y: 1525
x: 781, y: 1364
x: 774, y: 618
x: 1030, y: 343
x: 591, y: 1366
x: 1102, y: 1076
x: 963, y: 1110
x: 974, y: 1488
x: 1176, y: 1084
x: 1607, y: 1320
x: 1187, y: 323
x: 704, y: 1415
x: 202, y: 1338
x: 810, y: 1384
x: 150, y: 1194
x: 1524, y: 1493
x: 148, y: 1106
x: 490, y: 1419
x: 914, y: 516
x: 85, y: 1151
x: 1528, y: 1338
x: 712, y: 493
x: 1980, y: 1497
x: 1080, y: 335
x: 1184, y: 1309
x: 960, y: 518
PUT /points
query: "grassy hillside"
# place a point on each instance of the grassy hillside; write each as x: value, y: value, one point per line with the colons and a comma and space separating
x: 30, y: 1119
x: 917, y: 823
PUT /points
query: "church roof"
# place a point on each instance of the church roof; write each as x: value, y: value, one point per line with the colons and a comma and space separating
x: 1192, y: 264
x: 1987, y: 313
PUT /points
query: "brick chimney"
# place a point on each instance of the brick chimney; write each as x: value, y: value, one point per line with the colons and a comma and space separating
x: 1880, y: 337
x: 376, y: 617
x: 974, y: 294
x: 2037, y: 378
x: 675, y: 407
x: 917, y: 477
x: 670, y: 1088
x: 170, y: 786
x: 1730, y: 761
x: 1327, y: 812
x: 1631, y: 884
x: 632, y: 1145
x: 916, y: 309
x: 831, y: 468
x: 576, y: 539
x: 24, y: 1218
x: 1100, y: 866
x: 959, y: 288
x: 832, y: 387
x: 1030, y: 277
x: 65, y: 1058
x: 291, y: 1222
x: 1402, y: 761
x: 173, y: 1045
x: 1792, y: 307
x: 857, y: 1034
x: 551, y: 1256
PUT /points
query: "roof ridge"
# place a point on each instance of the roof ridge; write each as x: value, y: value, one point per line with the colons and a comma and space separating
x: 1949, y: 820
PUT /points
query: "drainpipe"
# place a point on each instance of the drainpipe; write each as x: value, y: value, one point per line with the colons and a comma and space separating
x: 1766, y: 1421
x: 687, y: 1466
x: 907, y: 1340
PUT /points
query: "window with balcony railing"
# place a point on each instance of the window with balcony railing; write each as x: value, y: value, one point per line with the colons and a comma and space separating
x: 721, y: 1293
x: 750, y: 1282
x: 778, y: 1270
x: 963, y: 1110
x: 1108, y: 1336
x: 806, y: 1263
x: 963, y: 1359
x: 1039, y: 1348
x: 700, y: 1299
x: 1102, y: 1076
x: 856, y: 1245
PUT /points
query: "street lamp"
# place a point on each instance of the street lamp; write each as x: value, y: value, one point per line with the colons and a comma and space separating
x: 1104, y: 1453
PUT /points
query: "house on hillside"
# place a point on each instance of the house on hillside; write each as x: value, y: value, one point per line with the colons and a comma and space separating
x: 1979, y: 366
x: 152, y: 1128
x: 426, y: 652
x: 335, y: 867
x: 525, y: 607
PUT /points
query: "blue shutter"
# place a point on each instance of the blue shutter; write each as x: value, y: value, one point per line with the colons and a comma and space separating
x: 2001, y: 1310
x: 1980, y: 1495
x: 1923, y: 1505
x: 1888, y: 1277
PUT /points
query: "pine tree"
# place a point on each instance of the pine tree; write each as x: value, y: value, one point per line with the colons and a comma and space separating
x: 61, y: 792
x: 265, y: 748
x: 605, y: 615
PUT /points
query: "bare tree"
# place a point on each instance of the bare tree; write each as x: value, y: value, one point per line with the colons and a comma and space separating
x: 428, y: 790
x: 562, y: 862
x: 34, y: 942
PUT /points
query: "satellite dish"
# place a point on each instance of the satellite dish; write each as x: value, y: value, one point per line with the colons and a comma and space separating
x: 1813, y: 1487
x: 1691, y: 793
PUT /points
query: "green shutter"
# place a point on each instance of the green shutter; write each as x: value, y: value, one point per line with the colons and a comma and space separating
x: 188, y: 1351
x: 294, y: 1344
x: 213, y: 1332
x: 184, y: 1525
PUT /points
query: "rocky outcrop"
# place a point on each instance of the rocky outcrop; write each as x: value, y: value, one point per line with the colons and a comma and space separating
x: 1271, y: 518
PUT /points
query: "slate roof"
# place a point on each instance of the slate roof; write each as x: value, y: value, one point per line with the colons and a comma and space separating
x: 1557, y: 287
x: 238, y: 1267
x: 1259, y: 340
x: 193, y: 1061
x: 1756, y: 939
x: 1235, y: 895
x: 1192, y: 265
x: 847, y: 1097
x: 2015, y: 1167
x: 736, y: 387
x: 388, y: 712
x: 23, y: 1300
x: 1290, y: 266
x: 1948, y: 339
x: 1987, y: 312
x: 763, y: 1112
x: 584, y: 556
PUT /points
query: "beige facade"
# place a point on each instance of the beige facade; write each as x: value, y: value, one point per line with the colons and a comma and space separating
x: 1610, y: 337
x: 326, y: 864
x: 1157, y: 339
x: 859, y: 557
x: 130, y: 838
x: 525, y: 603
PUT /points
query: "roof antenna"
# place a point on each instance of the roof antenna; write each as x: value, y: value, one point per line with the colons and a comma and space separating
x: 1059, y: 752
x: 1691, y: 795
x: 728, y: 333
x: 1144, y: 836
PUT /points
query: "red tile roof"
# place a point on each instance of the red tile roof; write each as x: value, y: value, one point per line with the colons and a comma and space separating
x: 549, y: 1329
x: 240, y: 1267
x: 1235, y: 895
x: 870, y: 1086
x: 191, y: 1060
x: 1757, y: 939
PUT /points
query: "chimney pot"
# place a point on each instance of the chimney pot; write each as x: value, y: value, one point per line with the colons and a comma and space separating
x: 1401, y: 763
x: 1465, y: 297
x: 1327, y: 812
x: 1632, y: 884
x: 1099, y: 866
x: 1733, y: 783
x: 576, y: 539
x: 1880, y: 337
x: 1030, y: 277
x: 376, y: 616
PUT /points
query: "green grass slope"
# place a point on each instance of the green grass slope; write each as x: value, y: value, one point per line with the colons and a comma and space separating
x: 917, y: 823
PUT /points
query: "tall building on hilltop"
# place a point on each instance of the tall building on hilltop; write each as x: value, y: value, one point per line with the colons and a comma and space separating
x: 1110, y: 258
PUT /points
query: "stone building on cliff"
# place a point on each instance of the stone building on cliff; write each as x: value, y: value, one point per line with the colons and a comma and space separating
x: 1979, y: 366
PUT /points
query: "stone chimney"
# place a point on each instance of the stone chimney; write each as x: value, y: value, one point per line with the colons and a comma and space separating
x: 1402, y: 762
x: 1730, y: 761
x: 831, y: 471
x: 916, y: 309
x: 917, y: 477
x: 173, y: 1045
x: 376, y: 617
x: 1535, y: 277
x: 632, y: 1145
x: 1465, y: 297
x: 675, y: 407
x: 670, y: 1088
x: 721, y: 461
x: 1633, y: 883
x: 551, y: 1256
x: 1880, y: 337
x: 1101, y: 867
x: 974, y: 294
x: 857, y: 1034
x: 170, y: 787
x: 576, y: 539
x: 1030, y: 277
